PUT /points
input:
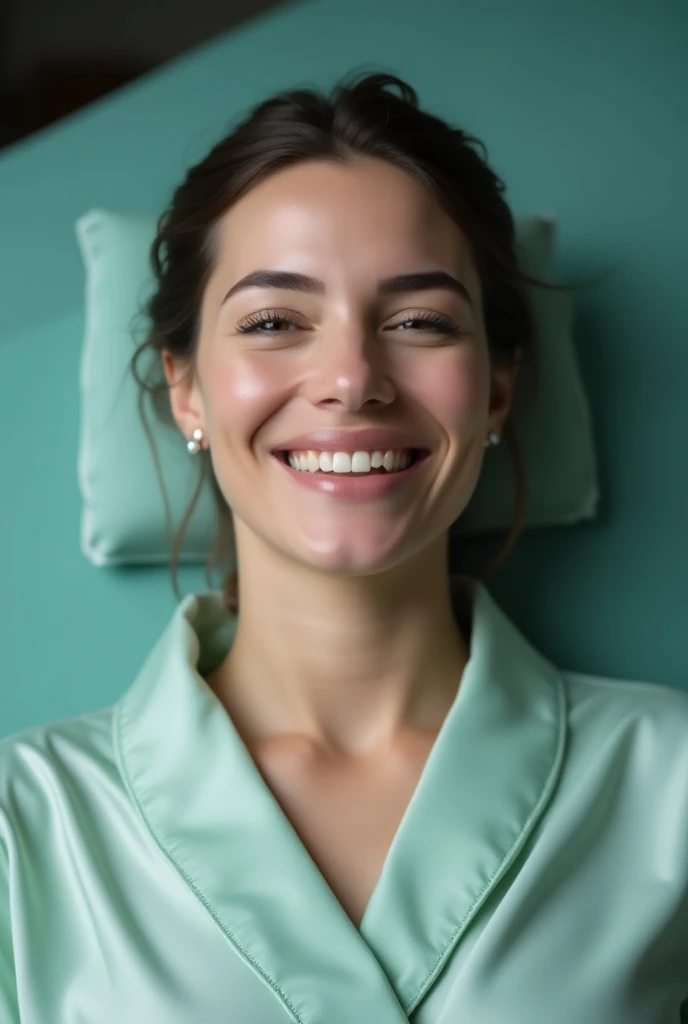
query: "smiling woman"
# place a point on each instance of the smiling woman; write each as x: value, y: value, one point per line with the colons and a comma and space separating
x: 345, y: 788
x: 388, y: 232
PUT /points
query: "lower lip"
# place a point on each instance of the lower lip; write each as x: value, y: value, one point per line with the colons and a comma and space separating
x: 351, y: 487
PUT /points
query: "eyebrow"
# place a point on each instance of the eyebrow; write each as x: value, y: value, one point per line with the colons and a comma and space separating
x: 415, y: 282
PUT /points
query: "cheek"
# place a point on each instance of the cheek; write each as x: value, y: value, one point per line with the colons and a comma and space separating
x: 243, y: 392
x: 454, y: 386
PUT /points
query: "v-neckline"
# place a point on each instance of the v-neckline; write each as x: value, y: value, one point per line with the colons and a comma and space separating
x: 301, y: 807
x: 485, y: 784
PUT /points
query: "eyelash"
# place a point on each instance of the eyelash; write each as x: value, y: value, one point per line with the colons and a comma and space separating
x: 253, y: 324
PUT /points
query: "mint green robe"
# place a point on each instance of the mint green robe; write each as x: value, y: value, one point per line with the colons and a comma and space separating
x: 539, y: 875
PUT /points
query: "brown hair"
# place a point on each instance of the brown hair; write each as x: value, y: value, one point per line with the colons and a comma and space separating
x: 360, y: 117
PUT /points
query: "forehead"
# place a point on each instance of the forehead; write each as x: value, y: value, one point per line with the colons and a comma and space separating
x: 365, y: 216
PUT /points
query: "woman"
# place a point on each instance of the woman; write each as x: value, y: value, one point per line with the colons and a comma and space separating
x: 366, y: 797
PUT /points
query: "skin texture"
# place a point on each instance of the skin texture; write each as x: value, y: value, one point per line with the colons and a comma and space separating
x: 347, y: 655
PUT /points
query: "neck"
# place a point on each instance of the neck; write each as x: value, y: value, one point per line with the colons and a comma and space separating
x: 350, y: 663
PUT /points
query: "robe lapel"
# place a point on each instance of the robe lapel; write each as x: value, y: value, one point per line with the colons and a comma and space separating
x: 485, y: 785
x: 212, y: 815
x: 489, y: 778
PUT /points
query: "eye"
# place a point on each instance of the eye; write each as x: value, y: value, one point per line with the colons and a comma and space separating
x: 256, y: 323
x: 433, y: 322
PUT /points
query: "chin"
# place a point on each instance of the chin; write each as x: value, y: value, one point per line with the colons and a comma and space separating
x: 352, y: 556
x: 350, y: 566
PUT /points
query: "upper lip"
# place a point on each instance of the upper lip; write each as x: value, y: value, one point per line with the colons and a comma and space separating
x: 367, y: 439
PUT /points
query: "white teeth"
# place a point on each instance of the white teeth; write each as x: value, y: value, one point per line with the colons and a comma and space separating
x: 360, y: 462
x: 348, y: 462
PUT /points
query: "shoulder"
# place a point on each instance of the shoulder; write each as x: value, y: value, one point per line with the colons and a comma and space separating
x: 599, y: 693
x: 649, y: 719
x: 42, y: 764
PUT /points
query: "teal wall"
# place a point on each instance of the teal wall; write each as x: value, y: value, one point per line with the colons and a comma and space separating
x: 582, y: 106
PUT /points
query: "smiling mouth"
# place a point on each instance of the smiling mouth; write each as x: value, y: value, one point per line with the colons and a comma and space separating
x: 352, y: 464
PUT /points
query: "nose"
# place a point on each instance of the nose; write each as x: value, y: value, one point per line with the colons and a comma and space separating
x: 349, y: 370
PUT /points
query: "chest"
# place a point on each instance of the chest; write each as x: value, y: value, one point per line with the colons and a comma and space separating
x: 345, y: 812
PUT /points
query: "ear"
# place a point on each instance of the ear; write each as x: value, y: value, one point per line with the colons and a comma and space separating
x: 186, y: 401
x: 502, y: 393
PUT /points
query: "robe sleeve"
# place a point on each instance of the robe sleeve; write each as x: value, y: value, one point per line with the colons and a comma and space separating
x: 9, y: 1006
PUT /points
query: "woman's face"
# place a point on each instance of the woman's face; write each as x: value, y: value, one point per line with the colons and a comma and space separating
x: 341, y: 353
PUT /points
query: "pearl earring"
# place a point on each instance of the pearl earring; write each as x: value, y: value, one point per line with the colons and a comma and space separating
x: 492, y: 438
x: 195, y: 446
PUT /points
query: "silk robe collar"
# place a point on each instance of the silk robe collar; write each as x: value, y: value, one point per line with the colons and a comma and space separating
x: 489, y: 777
